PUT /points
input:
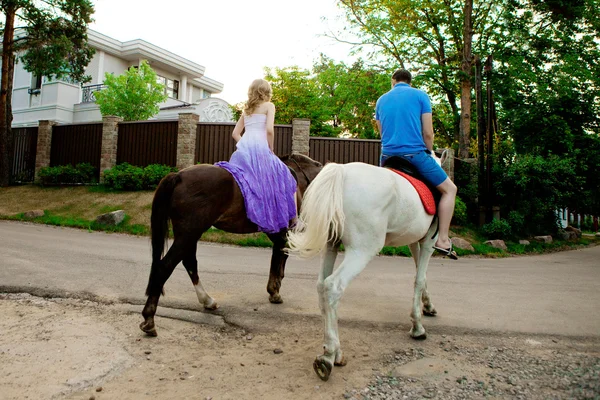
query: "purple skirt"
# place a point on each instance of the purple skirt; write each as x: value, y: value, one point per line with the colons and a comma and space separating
x: 267, y: 185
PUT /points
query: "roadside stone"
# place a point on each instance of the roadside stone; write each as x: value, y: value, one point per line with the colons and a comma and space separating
x: 33, y: 214
x: 462, y: 243
x: 577, y: 231
x: 564, y: 235
x: 524, y: 242
x: 277, y: 351
x: 497, y: 243
x: 112, y: 218
x: 568, y: 234
x: 544, y: 238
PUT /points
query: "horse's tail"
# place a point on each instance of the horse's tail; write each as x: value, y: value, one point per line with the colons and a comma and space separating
x: 159, y: 226
x: 159, y: 220
x: 322, y: 215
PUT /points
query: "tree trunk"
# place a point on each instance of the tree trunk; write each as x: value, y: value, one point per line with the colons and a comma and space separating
x: 481, y: 131
x: 464, y: 139
x: 9, y: 114
x: 5, y: 121
x: 491, y: 129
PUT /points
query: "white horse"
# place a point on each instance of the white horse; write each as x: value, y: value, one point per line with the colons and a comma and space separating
x: 365, y: 208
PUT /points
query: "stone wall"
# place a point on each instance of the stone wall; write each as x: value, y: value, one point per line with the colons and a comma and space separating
x: 110, y: 136
x: 186, y: 139
x: 300, y: 136
x: 44, y: 143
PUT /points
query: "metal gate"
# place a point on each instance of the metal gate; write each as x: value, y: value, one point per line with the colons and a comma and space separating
x: 24, y: 151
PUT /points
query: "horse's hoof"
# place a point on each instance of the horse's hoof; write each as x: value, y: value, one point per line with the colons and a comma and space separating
x: 323, y: 368
x: 422, y: 336
x: 148, y: 329
x: 341, y: 363
x: 276, y: 299
x: 430, y: 313
x: 212, y: 306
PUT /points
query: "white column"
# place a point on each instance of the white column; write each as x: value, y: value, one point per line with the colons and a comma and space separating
x: 182, y: 88
x: 100, y: 66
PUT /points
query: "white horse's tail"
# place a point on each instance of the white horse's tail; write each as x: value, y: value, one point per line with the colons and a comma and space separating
x: 322, y: 214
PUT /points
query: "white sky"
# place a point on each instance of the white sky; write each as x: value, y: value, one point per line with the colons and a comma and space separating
x: 233, y: 39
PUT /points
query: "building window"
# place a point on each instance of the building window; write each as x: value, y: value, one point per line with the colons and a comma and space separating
x: 36, y: 84
x: 171, y: 86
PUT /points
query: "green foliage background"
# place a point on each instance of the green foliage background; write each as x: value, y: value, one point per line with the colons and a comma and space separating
x: 337, y: 98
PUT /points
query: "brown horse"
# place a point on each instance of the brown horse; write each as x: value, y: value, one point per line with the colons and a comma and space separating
x: 195, y: 199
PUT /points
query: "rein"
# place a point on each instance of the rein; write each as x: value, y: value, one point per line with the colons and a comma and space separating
x: 301, y: 170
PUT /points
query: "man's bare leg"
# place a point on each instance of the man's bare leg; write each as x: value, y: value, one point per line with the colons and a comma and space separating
x: 445, y: 212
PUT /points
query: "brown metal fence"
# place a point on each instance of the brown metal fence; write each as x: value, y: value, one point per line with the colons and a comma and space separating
x: 283, y: 140
x: 214, y: 142
x: 345, y: 150
x: 148, y: 142
x: 24, y: 152
x: 74, y: 144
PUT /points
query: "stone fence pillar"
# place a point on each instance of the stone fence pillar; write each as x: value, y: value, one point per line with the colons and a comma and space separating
x: 110, y: 136
x: 186, y: 139
x: 300, y: 136
x: 44, y: 143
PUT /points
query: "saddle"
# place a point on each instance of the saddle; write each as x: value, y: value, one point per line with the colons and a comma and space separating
x: 429, y: 194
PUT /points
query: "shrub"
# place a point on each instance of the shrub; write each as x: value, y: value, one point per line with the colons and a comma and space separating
x: 67, y: 174
x: 497, y: 229
x: 128, y: 177
x: 460, y: 216
x: 154, y: 173
x: 536, y: 187
x: 516, y: 220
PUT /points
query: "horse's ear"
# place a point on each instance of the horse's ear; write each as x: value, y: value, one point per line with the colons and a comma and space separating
x: 444, y: 156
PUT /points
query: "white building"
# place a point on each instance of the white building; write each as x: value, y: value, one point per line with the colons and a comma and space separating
x: 44, y: 98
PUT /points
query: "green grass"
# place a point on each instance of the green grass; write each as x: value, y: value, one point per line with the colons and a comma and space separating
x: 261, y: 240
x: 78, y: 208
x: 74, y: 222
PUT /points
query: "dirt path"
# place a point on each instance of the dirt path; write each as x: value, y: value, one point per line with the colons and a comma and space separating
x: 76, y: 349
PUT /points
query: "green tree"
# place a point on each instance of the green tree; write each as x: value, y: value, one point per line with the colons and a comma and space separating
x: 296, y: 95
x: 548, y: 87
x: 338, y: 99
x: 435, y: 38
x: 133, y: 95
x: 50, y: 38
x: 349, y: 94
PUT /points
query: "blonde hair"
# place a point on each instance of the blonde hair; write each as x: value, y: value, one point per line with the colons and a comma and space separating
x: 258, y: 92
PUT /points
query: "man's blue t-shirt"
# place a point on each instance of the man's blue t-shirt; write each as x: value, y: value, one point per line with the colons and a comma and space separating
x: 399, y: 112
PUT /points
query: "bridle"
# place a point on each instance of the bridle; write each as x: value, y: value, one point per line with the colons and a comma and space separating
x: 301, y: 170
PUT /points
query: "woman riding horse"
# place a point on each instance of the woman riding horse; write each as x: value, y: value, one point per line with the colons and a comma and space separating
x: 254, y: 191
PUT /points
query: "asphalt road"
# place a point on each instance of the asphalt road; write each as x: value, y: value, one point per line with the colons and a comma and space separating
x: 549, y: 294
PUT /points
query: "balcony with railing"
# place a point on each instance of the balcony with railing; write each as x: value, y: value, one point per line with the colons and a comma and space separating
x: 87, y: 95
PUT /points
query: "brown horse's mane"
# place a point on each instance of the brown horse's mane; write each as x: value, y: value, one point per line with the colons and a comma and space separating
x: 300, y: 157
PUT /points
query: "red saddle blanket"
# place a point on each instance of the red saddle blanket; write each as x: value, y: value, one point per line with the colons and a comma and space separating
x: 424, y: 192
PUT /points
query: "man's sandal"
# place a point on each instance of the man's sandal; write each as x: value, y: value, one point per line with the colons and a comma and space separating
x: 450, y: 253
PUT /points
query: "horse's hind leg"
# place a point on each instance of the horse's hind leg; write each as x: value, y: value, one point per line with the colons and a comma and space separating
x: 428, y: 307
x: 425, y: 252
x: 330, y: 290
x: 159, y: 273
x: 277, y: 271
x: 191, y: 265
